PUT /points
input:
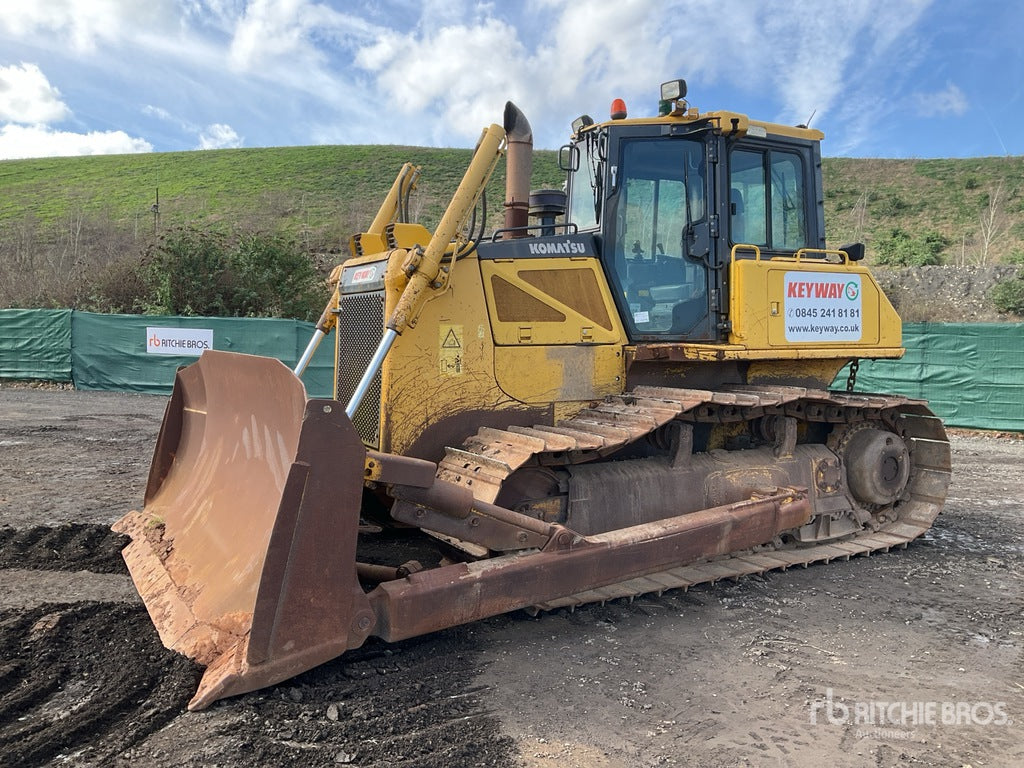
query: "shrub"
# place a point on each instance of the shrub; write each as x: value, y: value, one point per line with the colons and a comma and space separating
x: 893, y: 205
x: 190, y: 272
x: 273, y: 278
x: 1008, y: 295
x: 119, y: 287
x: 898, y: 248
x: 187, y: 271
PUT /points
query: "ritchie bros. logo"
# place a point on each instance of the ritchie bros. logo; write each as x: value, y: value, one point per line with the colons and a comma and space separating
x: 178, y: 341
x: 191, y: 344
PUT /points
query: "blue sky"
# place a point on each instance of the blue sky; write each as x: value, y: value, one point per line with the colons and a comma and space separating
x: 883, y: 78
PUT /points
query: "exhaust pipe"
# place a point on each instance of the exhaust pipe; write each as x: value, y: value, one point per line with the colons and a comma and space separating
x: 518, y: 169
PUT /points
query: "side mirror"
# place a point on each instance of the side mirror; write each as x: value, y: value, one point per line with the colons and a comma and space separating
x: 569, y: 158
x: 854, y: 251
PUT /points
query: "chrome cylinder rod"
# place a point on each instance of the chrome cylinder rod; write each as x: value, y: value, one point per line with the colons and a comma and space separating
x: 300, y: 367
x: 371, y: 371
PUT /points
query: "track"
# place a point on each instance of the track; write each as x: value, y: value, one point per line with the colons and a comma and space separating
x: 487, y: 459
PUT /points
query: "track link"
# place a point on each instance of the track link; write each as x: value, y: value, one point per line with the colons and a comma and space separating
x: 485, y: 460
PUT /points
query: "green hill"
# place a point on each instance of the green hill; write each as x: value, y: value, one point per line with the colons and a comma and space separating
x: 964, y: 202
x: 67, y: 218
x: 326, y: 192
x: 323, y: 193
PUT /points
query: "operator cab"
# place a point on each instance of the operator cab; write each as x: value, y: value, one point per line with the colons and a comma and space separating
x: 669, y: 197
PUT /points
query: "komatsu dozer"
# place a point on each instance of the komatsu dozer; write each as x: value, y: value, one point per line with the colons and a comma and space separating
x: 624, y: 389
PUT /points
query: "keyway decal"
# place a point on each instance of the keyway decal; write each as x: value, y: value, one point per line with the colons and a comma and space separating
x: 821, y: 306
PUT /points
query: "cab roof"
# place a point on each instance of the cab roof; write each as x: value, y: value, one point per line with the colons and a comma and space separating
x: 729, y: 123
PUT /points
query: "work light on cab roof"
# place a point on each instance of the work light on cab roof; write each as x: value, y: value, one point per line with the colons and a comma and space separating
x: 673, y: 94
x: 672, y: 102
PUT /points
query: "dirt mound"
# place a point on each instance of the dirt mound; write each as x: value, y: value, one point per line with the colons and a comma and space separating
x: 945, y: 294
x: 90, y: 684
x: 70, y: 547
x: 84, y: 681
x: 409, y: 705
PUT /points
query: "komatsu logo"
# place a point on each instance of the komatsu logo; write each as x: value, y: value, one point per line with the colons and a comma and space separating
x: 802, y: 289
x: 552, y: 249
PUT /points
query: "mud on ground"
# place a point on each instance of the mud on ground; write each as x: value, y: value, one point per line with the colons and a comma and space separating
x: 753, y: 673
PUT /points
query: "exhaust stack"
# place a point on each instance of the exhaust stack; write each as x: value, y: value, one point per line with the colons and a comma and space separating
x: 518, y: 169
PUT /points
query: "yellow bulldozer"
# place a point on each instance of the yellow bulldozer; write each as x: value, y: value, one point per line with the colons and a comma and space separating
x: 622, y: 390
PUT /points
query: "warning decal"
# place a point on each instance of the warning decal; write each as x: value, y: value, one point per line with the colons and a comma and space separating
x: 450, y: 352
x: 822, y: 306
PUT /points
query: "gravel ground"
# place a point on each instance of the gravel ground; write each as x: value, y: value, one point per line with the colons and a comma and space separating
x: 911, y: 657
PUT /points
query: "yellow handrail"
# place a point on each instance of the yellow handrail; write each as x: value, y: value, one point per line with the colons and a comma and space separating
x: 824, y: 252
x: 745, y: 247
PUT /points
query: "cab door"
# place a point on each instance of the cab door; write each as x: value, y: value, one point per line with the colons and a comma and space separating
x: 658, y: 229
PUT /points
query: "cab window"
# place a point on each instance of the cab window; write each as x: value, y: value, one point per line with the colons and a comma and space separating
x: 662, y: 198
x: 766, y: 199
x: 585, y: 195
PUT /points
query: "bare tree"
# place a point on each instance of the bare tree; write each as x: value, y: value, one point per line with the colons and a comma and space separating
x: 859, y: 214
x: 992, y: 221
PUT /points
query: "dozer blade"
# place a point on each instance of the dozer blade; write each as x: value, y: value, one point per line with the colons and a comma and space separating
x: 244, y: 552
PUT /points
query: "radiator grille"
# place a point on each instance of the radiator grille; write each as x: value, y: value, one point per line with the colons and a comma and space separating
x: 360, y: 328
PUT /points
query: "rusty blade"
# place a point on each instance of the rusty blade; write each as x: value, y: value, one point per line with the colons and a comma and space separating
x: 229, y: 437
x: 245, y: 551
x: 309, y: 606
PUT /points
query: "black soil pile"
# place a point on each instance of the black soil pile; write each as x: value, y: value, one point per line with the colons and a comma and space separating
x: 85, y: 681
x: 71, y: 547
x: 90, y: 684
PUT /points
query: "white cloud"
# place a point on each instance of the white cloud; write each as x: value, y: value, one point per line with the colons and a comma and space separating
x: 561, y: 55
x: 455, y: 76
x: 85, y: 25
x: 463, y: 69
x: 20, y: 141
x: 213, y: 136
x: 436, y: 71
x: 219, y: 136
x: 27, y: 97
x: 157, y: 112
x: 808, y: 59
x: 29, y: 103
x: 272, y: 32
x: 950, y: 101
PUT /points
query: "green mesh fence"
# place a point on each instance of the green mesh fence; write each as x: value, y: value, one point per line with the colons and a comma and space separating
x: 35, y: 344
x: 140, y: 353
x: 122, y: 352
x: 972, y: 374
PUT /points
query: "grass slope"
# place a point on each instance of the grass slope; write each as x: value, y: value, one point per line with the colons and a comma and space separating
x: 324, y: 193
x: 866, y: 198
x: 322, y: 189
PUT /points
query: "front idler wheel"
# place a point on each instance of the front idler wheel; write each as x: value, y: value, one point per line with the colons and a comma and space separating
x: 877, y: 466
